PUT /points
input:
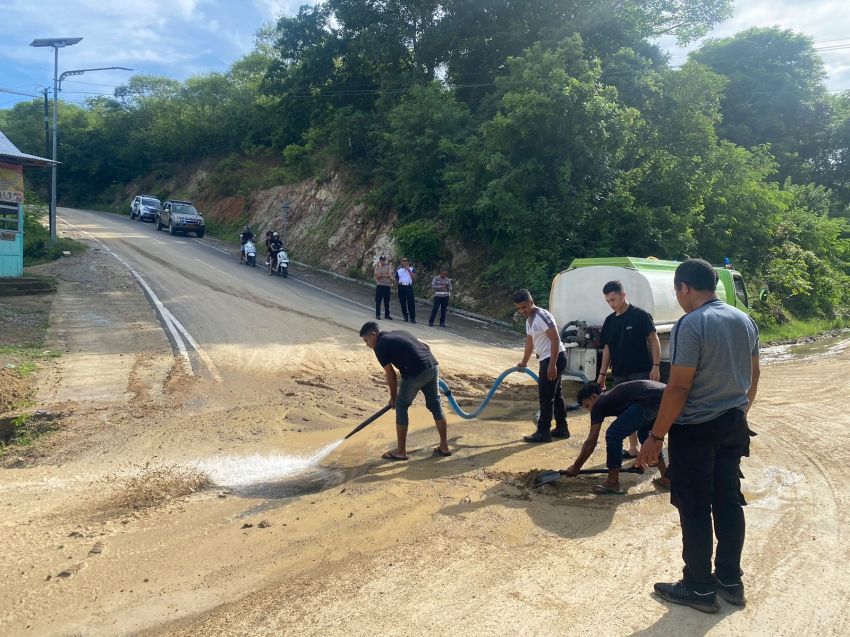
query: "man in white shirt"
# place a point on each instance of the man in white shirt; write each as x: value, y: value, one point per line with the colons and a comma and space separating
x: 406, y: 277
x: 542, y: 338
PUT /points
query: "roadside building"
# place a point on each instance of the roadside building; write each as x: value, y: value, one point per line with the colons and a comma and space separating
x: 12, y: 162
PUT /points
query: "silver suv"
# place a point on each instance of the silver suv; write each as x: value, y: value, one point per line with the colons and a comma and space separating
x: 144, y: 207
x: 180, y: 216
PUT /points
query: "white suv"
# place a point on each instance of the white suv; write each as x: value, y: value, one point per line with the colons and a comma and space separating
x: 145, y: 207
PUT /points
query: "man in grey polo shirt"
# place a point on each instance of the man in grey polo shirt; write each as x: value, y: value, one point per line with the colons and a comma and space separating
x: 713, y: 381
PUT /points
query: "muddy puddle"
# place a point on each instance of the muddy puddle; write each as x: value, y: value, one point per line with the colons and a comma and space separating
x: 830, y: 346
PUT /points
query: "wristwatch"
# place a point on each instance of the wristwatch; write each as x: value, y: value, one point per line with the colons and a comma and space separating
x: 657, y: 438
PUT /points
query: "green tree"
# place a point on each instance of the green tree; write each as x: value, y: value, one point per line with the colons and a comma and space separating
x: 774, y: 95
x: 422, y: 137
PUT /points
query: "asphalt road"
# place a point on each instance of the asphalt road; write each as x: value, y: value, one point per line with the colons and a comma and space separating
x: 222, y: 315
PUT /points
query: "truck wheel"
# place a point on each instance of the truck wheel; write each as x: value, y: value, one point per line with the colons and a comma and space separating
x: 200, y: 234
x: 171, y: 229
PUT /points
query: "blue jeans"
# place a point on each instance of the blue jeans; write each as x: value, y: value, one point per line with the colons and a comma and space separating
x: 426, y: 382
x: 635, y: 419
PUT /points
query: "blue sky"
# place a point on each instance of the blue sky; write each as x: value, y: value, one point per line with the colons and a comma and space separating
x: 181, y: 38
x: 172, y: 38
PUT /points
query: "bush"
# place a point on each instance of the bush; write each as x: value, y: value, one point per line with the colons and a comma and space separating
x: 422, y: 242
x: 37, y: 245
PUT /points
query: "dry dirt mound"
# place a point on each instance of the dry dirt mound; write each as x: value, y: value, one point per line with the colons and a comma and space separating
x: 15, y: 389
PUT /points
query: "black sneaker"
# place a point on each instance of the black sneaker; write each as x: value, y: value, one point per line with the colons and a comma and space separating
x: 539, y: 436
x: 732, y: 593
x: 405, y: 320
x: 430, y: 325
x: 560, y: 432
x: 681, y: 593
x: 388, y: 318
x: 412, y: 320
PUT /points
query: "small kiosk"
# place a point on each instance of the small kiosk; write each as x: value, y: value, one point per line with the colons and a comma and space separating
x: 12, y: 162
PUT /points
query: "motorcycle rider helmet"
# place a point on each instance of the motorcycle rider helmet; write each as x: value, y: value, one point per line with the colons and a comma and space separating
x: 275, y: 235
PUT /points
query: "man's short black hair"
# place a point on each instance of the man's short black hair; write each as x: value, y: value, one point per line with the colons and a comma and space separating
x: 589, y: 389
x: 697, y: 274
x: 521, y: 296
x: 369, y: 326
x: 613, y: 286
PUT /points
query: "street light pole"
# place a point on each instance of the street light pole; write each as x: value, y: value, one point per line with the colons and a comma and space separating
x: 285, y: 216
x: 55, y: 44
x: 47, y: 138
x: 81, y: 71
x: 53, y: 171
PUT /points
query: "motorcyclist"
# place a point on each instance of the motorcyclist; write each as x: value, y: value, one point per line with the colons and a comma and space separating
x: 244, y: 238
x: 275, y: 246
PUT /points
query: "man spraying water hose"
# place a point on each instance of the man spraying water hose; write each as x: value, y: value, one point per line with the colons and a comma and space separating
x: 419, y: 372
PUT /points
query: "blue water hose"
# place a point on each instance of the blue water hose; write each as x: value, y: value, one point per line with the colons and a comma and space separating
x: 444, y: 389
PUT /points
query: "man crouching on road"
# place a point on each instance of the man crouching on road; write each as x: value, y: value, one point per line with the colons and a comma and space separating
x: 542, y: 337
x: 419, y: 372
x: 635, y: 404
x: 714, y: 374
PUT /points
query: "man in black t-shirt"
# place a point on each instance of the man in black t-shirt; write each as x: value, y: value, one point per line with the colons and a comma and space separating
x: 635, y: 404
x: 419, y: 372
x: 275, y: 245
x: 630, y: 343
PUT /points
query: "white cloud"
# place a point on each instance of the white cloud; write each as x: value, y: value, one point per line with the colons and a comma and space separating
x: 826, y: 21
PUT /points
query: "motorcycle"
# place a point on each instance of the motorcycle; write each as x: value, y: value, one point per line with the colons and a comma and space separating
x: 249, y: 253
x: 282, y: 267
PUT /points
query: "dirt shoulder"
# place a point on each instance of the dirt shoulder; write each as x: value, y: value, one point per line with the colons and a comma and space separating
x: 169, y: 505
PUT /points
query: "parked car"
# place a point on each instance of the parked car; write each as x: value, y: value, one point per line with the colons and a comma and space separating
x: 180, y: 216
x: 145, y: 207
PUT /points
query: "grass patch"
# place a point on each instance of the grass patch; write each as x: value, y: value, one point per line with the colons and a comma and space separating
x: 37, y: 245
x: 225, y: 230
x: 801, y: 329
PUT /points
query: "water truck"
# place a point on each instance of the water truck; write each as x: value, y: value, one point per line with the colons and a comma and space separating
x: 579, y: 307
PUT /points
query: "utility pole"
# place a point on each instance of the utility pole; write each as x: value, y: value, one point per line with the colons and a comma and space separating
x: 47, y: 138
x: 285, y: 217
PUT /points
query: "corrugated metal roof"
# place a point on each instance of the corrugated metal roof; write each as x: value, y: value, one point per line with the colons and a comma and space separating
x: 9, y: 153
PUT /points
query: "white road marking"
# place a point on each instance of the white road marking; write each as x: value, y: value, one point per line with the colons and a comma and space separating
x: 211, y: 267
x: 204, y: 356
x: 213, y: 247
x: 341, y: 298
x: 174, y: 326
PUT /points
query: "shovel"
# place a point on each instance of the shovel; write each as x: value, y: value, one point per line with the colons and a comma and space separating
x: 369, y: 420
x: 551, y: 476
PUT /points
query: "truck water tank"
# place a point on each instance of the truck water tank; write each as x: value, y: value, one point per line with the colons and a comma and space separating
x: 576, y: 295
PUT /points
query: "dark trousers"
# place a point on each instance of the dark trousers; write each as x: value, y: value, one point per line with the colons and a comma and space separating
x: 551, y: 395
x: 624, y: 378
x: 405, y: 298
x: 382, y: 293
x: 705, y: 481
x: 441, y: 303
x: 636, y: 418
